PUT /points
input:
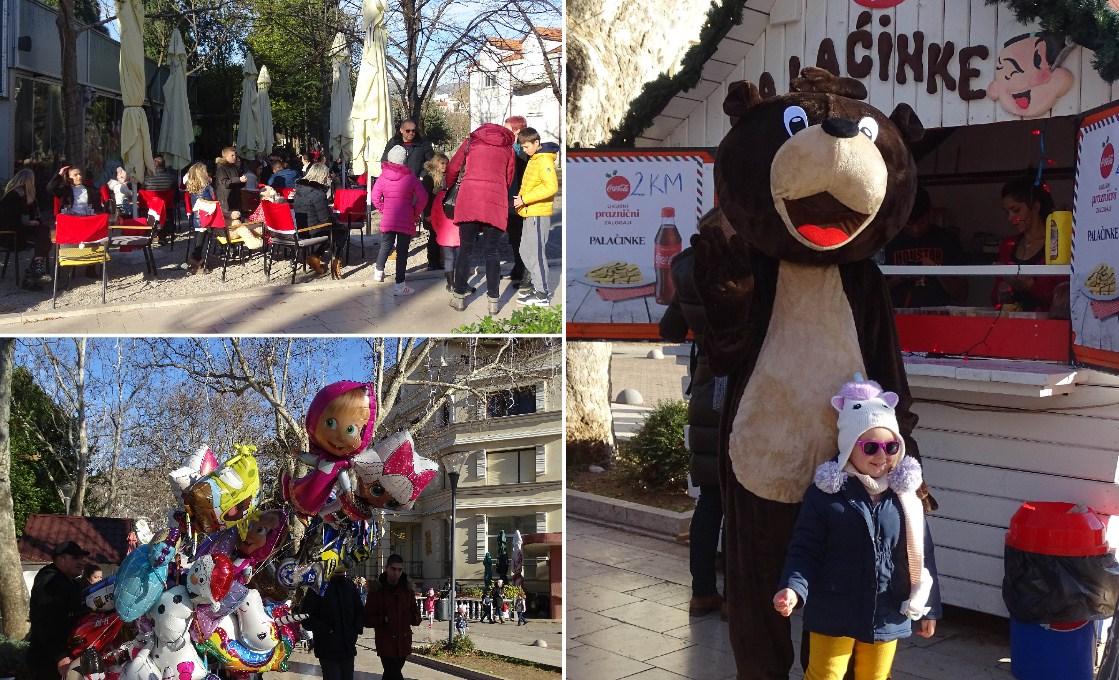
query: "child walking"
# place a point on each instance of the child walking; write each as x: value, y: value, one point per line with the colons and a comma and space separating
x: 861, y: 545
x: 534, y: 204
x: 400, y: 198
x: 429, y: 607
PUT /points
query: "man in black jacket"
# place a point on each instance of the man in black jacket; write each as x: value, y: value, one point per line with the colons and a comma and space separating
x: 419, y: 149
x: 56, y: 603
x: 335, y: 619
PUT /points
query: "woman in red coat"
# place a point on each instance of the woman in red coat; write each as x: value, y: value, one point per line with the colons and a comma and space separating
x: 482, y: 206
x: 391, y: 611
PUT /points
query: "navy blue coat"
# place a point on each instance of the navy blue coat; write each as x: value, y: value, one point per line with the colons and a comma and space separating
x: 851, y: 556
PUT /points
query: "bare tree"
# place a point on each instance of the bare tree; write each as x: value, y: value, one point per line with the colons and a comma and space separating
x: 124, y: 385
x: 61, y: 368
x: 13, y: 591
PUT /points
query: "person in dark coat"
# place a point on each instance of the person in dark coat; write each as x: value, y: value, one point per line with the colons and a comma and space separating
x: 498, y: 597
x: 335, y: 620
x: 685, y: 313
x: 516, y: 223
x: 75, y: 196
x: 418, y: 149
x: 20, y: 213
x: 56, y: 604
x: 391, y: 611
x: 482, y: 208
x: 228, y: 182
x: 312, y: 207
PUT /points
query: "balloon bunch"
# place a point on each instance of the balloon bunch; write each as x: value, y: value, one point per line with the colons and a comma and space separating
x: 214, y: 590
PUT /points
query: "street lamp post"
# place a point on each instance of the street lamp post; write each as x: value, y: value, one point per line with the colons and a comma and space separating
x: 67, y: 493
x: 452, y: 463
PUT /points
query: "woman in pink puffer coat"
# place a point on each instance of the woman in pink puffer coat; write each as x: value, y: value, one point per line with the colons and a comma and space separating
x: 400, y: 198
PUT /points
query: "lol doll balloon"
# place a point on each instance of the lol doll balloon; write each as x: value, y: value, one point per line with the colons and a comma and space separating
x: 339, y: 426
x: 391, y: 475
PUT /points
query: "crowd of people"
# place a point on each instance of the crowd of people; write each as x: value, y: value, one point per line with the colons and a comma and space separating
x: 499, y: 185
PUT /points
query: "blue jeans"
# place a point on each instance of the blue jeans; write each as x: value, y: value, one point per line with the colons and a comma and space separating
x: 703, y: 542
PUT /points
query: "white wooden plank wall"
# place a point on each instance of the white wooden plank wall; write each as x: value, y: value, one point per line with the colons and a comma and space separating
x: 982, y: 464
x: 969, y: 23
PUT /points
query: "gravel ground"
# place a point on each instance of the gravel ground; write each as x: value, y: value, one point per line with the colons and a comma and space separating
x: 129, y: 282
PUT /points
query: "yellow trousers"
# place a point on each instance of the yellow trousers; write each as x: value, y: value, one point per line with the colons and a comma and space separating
x: 829, y: 656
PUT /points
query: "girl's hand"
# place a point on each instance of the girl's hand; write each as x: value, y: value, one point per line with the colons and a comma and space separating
x: 926, y: 628
x: 785, y: 601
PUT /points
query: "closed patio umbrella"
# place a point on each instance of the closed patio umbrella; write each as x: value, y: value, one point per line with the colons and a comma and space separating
x: 249, y: 142
x: 176, y: 131
x: 341, y: 102
x: 371, y: 118
x: 135, y: 139
x: 267, y: 131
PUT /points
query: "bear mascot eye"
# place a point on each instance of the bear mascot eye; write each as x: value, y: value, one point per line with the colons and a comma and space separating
x: 869, y: 127
x: 795, y: 120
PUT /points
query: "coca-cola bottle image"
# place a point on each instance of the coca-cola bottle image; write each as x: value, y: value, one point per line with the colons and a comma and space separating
x: 666, y: 246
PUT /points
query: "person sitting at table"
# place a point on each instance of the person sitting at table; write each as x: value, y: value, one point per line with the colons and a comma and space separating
x: 122, y: 191
x: 923, y: 243
x: 252, y: 175
x: 162, y: 179
x: 203, y: 200
x: 75, y: 197
x: 283, y: 177
x: 312, y: 207
x: 228, y: 182
x: 20, y: 213
x: 1027, y: 206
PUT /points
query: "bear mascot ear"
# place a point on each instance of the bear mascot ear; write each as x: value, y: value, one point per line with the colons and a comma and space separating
x: 906, y: 120
x: 816, y: 79
x: 741, y: 97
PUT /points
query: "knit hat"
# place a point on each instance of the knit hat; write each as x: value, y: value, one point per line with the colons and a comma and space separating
x: 397, y: 154
x: 863, y: 405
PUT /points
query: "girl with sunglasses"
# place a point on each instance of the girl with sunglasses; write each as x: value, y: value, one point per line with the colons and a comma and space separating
x: 861, y: 546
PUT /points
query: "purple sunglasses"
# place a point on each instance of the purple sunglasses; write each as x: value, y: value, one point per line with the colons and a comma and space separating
x: 871, y: 447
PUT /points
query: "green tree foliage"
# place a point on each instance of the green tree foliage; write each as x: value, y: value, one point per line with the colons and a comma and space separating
x: 656, y: 457
x: 40, y: 448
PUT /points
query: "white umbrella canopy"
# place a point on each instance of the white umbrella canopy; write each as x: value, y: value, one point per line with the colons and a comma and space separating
x: 371, y: 118
x: 249, y: 142
x: 267, y: 130
x: 135, y: 139
x: 341, y: 100
x: 176, y: 131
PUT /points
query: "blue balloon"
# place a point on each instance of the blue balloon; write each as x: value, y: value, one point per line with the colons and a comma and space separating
x: 141, y: 579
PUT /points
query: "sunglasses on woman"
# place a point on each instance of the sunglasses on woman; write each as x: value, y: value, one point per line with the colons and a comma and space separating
x: 871, y: 447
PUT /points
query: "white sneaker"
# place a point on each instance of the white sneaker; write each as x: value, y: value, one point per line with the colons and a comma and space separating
x: 402, y: 289
x: 538, y: 300
x: 525, y: 294
x: 378, y: 275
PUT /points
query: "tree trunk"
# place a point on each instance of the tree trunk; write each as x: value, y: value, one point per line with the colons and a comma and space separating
x: 83, y: 434
x: 13, y: 591
x: 73, y: 117
x: 590, y: 434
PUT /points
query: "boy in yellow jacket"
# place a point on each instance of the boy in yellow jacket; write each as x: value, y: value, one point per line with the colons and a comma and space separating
x: 534, y: 203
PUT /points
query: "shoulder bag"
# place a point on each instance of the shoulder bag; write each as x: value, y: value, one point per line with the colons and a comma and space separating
x: 451, y: 197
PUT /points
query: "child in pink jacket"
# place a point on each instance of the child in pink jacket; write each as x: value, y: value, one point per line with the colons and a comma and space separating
x: 400, y: 198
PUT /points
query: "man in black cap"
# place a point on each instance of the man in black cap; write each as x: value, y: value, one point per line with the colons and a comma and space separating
x: 56, y: 603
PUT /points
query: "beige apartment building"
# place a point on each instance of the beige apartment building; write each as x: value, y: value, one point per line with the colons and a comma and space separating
x: 512, y: 424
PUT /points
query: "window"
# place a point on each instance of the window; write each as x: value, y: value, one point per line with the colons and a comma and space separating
x: 526, y: 524
x: 444, y: 417
x: 511, y: 467
x: 491, y: 80
x: 513, y: 402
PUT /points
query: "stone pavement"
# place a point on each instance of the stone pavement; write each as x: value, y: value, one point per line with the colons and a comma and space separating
x: 656, y: 379
x: 506, y: 639
x: 367, y: 666
x: 627, y: 617
x: 353, y: 305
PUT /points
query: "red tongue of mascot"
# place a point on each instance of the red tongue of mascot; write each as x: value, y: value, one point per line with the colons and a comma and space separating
x: 739, y: 282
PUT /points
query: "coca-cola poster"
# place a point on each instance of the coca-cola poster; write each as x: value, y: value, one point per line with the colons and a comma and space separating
x: 628, y: 214
x: 1094, y: 295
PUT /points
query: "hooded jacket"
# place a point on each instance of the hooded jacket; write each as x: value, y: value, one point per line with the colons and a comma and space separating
x: 847, y: 564
x: 484, y: 194
x: 446, y: 231
x: 399, y: 197
x: 539, y: 185
x: 391, y: 612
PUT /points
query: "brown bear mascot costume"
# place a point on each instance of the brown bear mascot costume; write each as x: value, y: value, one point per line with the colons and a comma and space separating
x: 813, y: 183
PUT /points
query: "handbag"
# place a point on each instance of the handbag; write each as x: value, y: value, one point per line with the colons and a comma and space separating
x: 451, y: 197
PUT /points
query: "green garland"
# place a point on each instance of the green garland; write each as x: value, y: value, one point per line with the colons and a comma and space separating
x: 1089, y: 23
x: 656, y: 94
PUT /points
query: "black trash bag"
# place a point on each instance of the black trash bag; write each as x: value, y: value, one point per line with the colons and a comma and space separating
x: 1048, y: 589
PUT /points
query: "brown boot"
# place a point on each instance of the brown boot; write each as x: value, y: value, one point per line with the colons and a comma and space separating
x: 701, y: 606
x: 194, y: 265
x: 315, y: 263
x: 336, y: 268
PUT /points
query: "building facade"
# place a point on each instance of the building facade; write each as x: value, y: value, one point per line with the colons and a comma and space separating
x: 511, y: 481
x: 510, y: 79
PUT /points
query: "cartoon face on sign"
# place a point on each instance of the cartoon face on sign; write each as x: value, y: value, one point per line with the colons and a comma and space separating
x: 1028, y: 80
